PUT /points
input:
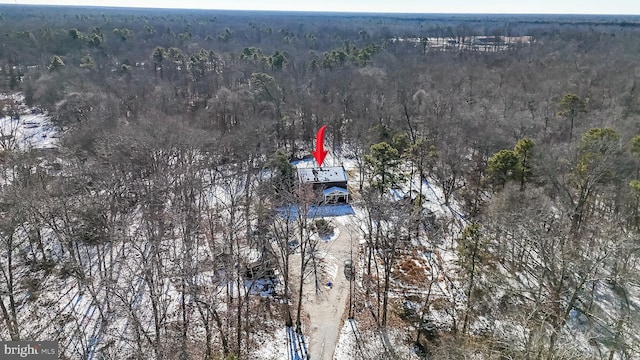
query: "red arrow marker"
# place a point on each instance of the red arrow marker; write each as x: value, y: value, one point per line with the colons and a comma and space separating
x: 320, y: 153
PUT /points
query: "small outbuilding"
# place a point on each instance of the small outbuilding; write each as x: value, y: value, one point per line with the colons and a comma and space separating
x: 335, y: 195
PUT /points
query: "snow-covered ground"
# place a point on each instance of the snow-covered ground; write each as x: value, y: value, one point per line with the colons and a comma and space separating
x: 90, y: 314
x: 274, y: 346
x: 22, y: 128
x: 355, y: 344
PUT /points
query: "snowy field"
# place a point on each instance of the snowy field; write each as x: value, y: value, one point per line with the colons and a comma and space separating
x: 22, y: 128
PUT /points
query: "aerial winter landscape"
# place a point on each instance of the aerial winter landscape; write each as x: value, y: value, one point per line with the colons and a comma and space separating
x: 308, y: 185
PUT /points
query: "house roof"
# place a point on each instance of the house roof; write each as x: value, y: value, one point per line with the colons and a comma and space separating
x: 322, y: 175
x: 335, y: 189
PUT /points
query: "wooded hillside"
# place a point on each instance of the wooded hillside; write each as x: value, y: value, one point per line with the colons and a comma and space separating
x: 170, y: 119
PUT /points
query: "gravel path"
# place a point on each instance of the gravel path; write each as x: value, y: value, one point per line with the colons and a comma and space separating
x: 327, y: 306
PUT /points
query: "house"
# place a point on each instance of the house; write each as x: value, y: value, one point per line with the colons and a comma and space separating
x: 329, y: 182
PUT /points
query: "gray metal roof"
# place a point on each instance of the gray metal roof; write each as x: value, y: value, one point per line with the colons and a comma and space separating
x: 322, y: 175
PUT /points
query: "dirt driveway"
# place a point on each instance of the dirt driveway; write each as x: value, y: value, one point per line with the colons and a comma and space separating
x: 327, y: 306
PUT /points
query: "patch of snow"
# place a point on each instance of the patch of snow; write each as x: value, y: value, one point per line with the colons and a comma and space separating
x: 273, y: 345
x: 27, y: 129
x: 354, y: 343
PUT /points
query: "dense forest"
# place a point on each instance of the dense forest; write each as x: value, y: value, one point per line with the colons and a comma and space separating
x: 175, y: 132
